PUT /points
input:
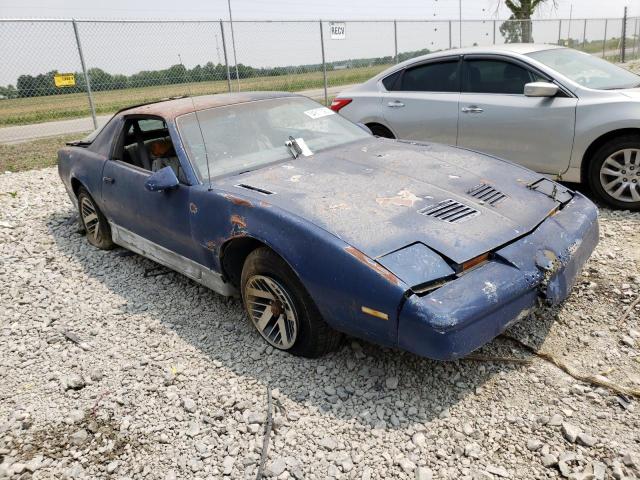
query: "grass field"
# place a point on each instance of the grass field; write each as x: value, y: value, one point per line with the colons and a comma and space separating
x: 24, y: 111
x: 35, y: 154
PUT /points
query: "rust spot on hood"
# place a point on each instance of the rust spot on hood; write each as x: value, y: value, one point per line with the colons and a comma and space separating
x: 404, y: 198
x: 193, y: 208
x: 238, y: 221
x: 376, y: 267
x: 238, y: 201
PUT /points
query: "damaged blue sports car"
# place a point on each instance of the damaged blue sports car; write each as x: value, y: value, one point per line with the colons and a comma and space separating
x: 324, y: 229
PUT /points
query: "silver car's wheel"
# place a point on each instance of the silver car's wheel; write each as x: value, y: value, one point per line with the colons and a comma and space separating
x: 272, y: 311
x: 620, y: 175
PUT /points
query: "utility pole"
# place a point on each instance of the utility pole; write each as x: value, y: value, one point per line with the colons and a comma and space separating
x: 460, y: 22
x: 569, y: 28
x: 233, y: 44
x: 623, y: 43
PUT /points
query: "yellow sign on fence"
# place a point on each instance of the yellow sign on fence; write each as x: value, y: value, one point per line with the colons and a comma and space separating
x: 64, y: 79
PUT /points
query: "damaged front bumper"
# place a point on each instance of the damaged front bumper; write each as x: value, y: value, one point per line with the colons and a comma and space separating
x: 470, y: 311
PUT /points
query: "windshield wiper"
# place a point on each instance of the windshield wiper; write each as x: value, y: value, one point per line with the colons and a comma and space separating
x: 294, y: 148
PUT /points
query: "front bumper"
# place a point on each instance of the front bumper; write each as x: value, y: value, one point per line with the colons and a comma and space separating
x: 470, y: 311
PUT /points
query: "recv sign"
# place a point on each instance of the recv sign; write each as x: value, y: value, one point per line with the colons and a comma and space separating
x: 337, y: 30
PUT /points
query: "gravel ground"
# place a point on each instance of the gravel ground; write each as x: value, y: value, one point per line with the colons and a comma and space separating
x: 160, y: 378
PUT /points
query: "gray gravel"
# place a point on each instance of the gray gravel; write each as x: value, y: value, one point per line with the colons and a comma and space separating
x: 167, y: 380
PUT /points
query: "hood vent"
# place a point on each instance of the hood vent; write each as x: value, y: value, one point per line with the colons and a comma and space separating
x: 487, y: 194
x: 255, y: 189
x: 449, y: 211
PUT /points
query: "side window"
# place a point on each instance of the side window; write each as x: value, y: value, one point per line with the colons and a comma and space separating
x: 432, y: 77
x: 390, y: 81
x: 496, y: 76
x: 146, y: 144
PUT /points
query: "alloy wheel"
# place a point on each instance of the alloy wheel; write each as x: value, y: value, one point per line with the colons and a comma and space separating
x: 272, y: 311
x: 620, y: 175
x: 90, y: 218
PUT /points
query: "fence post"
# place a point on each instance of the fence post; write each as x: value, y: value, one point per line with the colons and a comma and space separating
x: 559, y: 31
x: 226, y: 60
x: 604, y: 43
x: 450, y: 45
x: 324, y: 65
x: 584, y: 33
x: 395, y: 41
x: 494, y: 32
x: 86, y: 74
x: 635, y: 38
x: 623, y: 40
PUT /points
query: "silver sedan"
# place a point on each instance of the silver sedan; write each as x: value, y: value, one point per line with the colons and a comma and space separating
x: 554, y: 110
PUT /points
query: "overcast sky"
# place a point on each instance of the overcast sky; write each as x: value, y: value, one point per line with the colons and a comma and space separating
x: 133, y: 47
x: 300, y: 9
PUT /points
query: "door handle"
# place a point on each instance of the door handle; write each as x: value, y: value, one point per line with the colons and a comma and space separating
x: 108, y: 180
x: 472, y: 109
x: 395, y: 103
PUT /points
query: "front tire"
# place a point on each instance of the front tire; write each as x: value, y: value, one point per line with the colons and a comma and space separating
x: 280, y: 308
x: 614, y: 172
x: 94, y: 222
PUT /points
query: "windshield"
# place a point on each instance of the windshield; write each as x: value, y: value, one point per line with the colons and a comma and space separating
x: 586, y: 70
x: 250, y: 135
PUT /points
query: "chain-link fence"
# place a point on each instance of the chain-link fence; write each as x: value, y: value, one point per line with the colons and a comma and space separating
x: 60, y: 69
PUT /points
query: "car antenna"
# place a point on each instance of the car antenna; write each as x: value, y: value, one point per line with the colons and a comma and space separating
x: 195, y: 111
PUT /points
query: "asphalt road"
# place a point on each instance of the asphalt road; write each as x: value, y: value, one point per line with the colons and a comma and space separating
x: 24, y: 133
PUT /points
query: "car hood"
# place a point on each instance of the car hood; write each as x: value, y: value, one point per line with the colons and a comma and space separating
x: 633, y: 93
x: 377, y: 195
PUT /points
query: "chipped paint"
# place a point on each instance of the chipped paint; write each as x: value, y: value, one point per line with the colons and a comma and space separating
x: 376, y: 267
x: 338, y: 206
x: 211, y: 245
x: 238, y: 201
x: 295, y: 178
x: 491, y: 291
x: 193, y: 208
x: 404, y: 198
x: 238, y: 221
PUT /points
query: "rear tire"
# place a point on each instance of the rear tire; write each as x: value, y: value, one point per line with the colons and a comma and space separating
x: 280, y: 308
x: 94, y: 222
x: 613, y: 172
x: 380, y: 130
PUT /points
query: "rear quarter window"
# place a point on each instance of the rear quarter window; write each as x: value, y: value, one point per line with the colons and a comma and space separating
x: 390, y: 81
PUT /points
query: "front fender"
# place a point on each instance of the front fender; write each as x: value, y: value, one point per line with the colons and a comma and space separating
x: 600, y: 117
x: 339, y: 278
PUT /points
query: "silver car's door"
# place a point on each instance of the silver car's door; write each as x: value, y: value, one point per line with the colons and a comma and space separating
x: 496, y: 117
x: 421, y: 102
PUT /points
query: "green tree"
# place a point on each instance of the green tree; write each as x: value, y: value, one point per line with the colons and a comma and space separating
x: 518, y: 27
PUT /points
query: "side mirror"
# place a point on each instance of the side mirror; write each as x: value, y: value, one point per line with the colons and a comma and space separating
x: 163, y: 179
x: 365, y: 128
x: 540, y: 89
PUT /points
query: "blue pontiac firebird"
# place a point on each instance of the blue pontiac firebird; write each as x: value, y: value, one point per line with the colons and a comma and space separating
x: 323, y: 228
